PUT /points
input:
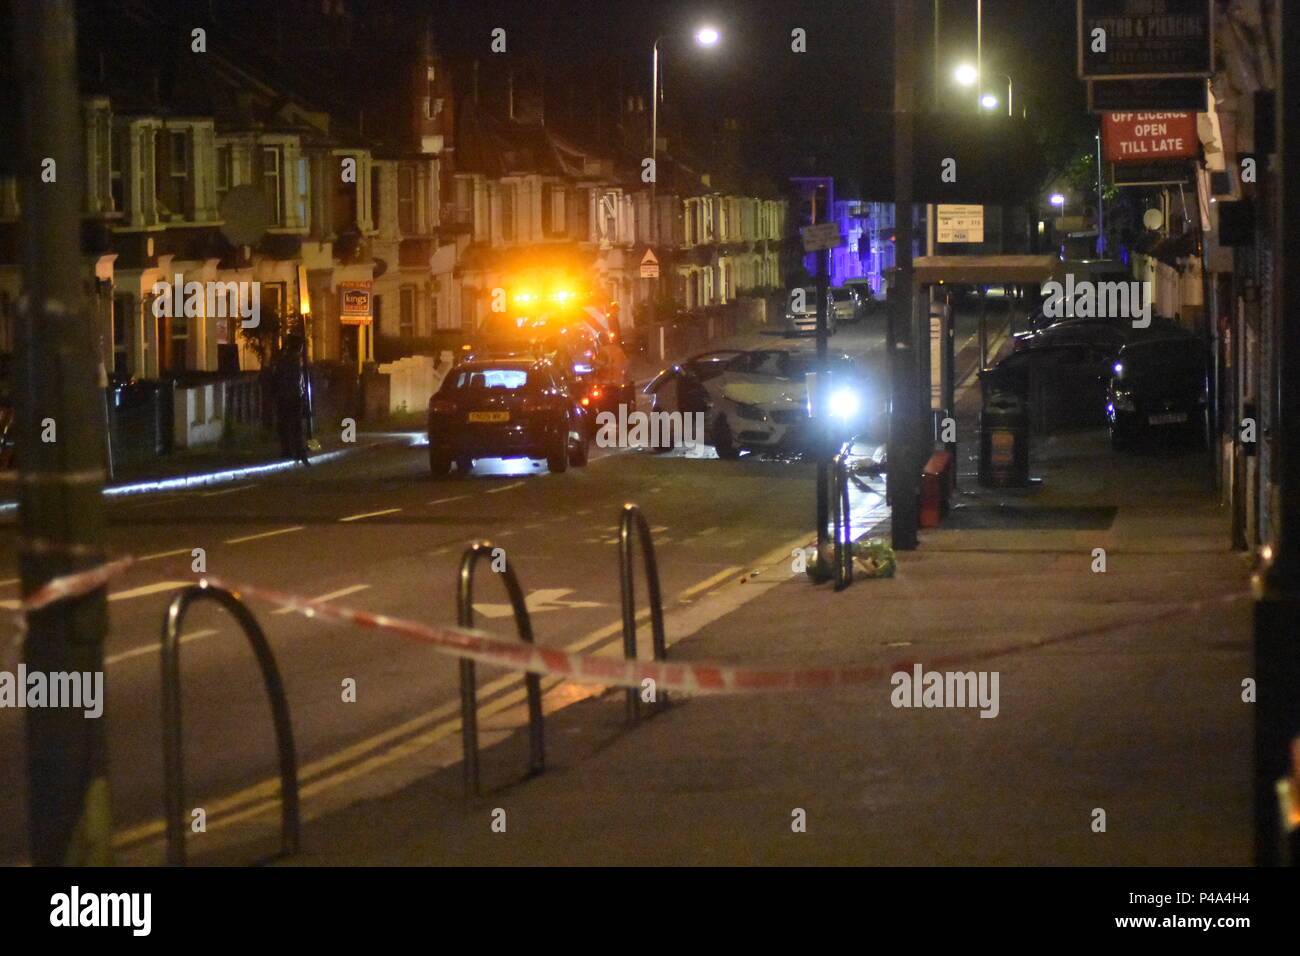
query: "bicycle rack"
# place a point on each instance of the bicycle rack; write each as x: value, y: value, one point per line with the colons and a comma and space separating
x: 632, y: 519
x: 468, y: 687
x: 843, y: 569
x: 173, y: 756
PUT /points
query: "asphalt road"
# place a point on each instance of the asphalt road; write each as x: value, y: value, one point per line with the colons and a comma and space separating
x: 374, y: 531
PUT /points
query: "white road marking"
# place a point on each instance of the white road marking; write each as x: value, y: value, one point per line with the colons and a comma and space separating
x: 513, y: 484
x: 263, y: 534
x: 371, y: 514
x: 332, y: 595
x: 543, y: 599
x: 443, y: 501
x: 8, y: 581
x: 166, y: 554
x: 148, y: 589
x: 226, y: 491
x: 707, y: 531
x: 153, y: 648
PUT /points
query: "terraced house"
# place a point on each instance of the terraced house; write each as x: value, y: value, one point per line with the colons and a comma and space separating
x: 374, y: 212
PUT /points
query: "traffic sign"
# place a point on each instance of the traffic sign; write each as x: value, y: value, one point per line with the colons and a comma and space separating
x: 824, y: 235
x: 649, y: 265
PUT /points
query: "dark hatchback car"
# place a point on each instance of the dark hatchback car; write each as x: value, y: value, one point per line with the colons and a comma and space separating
x: 505, y: 408
x: 1158, y: 386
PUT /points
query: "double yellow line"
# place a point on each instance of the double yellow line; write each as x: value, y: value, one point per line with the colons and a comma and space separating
x: 386, y: 747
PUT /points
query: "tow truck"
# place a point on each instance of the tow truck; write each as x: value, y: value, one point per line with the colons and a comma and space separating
x: 559, y: 322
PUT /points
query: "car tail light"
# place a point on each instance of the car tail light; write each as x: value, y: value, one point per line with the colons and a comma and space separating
x: 533, y: 403
x: 442, y: 406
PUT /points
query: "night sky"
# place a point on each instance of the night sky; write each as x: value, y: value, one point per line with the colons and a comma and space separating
x: 796, y: 109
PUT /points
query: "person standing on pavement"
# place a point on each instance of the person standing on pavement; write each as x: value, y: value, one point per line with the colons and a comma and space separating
x: 288, y: 375
x: 611, y: 364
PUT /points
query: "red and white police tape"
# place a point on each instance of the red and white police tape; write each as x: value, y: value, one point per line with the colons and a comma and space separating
x: 694, y: 677
x: 74, y: 585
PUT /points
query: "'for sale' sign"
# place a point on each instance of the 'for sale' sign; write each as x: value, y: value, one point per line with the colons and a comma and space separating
x: 1142, y: 137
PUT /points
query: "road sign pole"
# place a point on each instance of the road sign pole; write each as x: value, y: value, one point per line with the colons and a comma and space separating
x: 821, y: 421
x: 60, y: 425
x: 903, y: 475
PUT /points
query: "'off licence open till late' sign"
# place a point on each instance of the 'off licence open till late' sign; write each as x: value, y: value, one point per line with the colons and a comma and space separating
x: 1142, y: 137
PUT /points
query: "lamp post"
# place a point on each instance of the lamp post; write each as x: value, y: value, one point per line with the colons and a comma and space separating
x: 705, y: 36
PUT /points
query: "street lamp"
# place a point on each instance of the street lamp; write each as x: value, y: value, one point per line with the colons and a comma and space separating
x: 705, y: 36
x: 967, y: 75
x: 1056, y: 199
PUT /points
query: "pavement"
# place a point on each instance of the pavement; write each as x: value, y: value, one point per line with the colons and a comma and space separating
x: 1120, y: 736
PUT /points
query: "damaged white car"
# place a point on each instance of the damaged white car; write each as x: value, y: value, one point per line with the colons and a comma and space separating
x: 757, y: 401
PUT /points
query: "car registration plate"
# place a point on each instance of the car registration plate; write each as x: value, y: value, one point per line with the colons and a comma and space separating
x: 489, y: 416
x: 1171, y: 418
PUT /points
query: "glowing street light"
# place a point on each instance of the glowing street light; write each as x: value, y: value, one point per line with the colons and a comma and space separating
x: 704, y: 36
x: 966, y: 75
x: 989, y: 101
x: 1056, y: 199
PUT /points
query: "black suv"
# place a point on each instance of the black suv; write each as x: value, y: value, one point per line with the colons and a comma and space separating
x: 506, y: 408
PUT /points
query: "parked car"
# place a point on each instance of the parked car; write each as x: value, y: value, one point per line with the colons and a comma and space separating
x: 1105, y: 333
x: 757, y: 400
x: 801, y: 310
x: 866, y: 300
x: 506, y: 408
x: 843, y: 305
x: 1063, y: 384
x: 1158, y: 385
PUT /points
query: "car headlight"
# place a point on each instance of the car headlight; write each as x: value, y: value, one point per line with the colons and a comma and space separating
x: 750, y: 412
x: 845, y: 403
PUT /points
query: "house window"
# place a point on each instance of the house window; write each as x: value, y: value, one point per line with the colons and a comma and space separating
x: 117, y: 190
x: 225, y: 172
x: 581, y: 215
x: 345, y: 201
x: 273, y: 306
x: 406, y: 200
x: 123, y: 320
x: 406, y: 318
x: 304, y: 192
x: 553, y: 219
x: 508, y: 213
x: 375, y: 191
x: 173, y: 175
x: 272, y: 186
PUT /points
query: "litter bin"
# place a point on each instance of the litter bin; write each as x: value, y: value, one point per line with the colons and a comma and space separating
x: 1004, y: 441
